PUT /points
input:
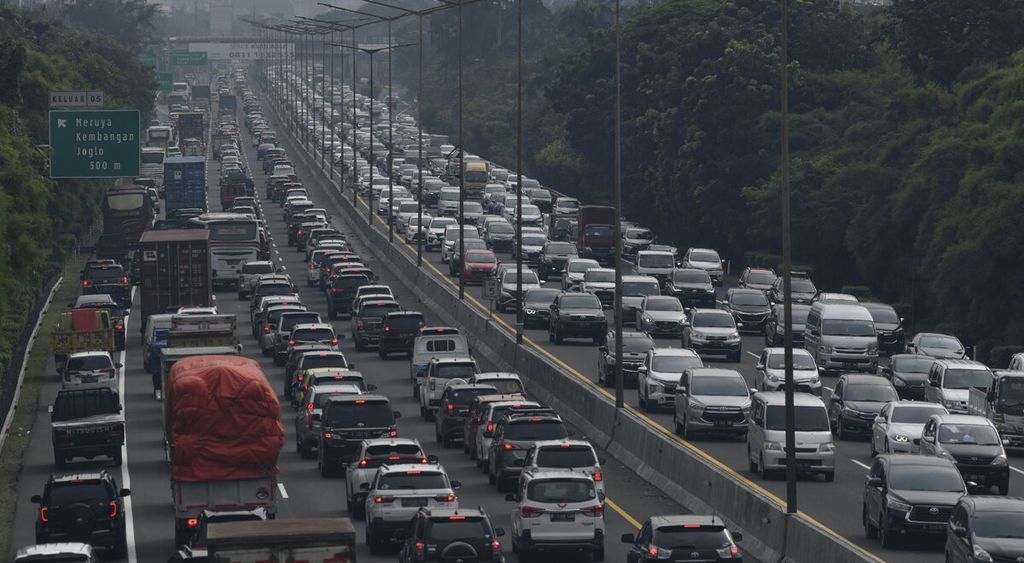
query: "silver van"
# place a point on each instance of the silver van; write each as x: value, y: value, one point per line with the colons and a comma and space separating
x: 435, y: 342
x: 841, y: 336
x: 766, y: 435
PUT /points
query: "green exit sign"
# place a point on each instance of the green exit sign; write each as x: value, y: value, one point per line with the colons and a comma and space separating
x: 188, y: 58
x: 94, y: 144
x: 165, y: 80
x: 147, y: 59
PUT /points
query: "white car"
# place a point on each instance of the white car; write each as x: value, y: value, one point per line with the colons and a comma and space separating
x: 435, y: 231
x: 557, y: 509
x: 505, y: 383
x: 439, y: 372
x: 397, y: 492
x: 577, y: 455
x: 770, y: 372
x: 576, y: 270
x: 705, y: 259
x: 370, y: 456
x: 898, y: 426
x: 658, y: 376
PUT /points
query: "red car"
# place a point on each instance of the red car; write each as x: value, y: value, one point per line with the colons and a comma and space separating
x: 478, y: 265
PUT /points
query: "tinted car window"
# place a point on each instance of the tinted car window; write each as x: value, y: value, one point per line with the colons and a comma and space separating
x: 912, y: 365
x: 323, y: 362
x: 454, y: 370
x: 69, y: 493
x: 313, y: 334
x: 807, y: 419
x: 381, y: 450
x: 288, y: 321
x: 680, y: 537
x: 573, y: 456
x: 924, y: 478
x: 88, y: 363
x: 560, y: 490
x: 110, y: 274
x: 257, y: 269
x: 541, y: 430
x: 412, y: 480
x: 445, y: 530
x: 405, y: 322
x: 349, y: 415
x: 378, y: 310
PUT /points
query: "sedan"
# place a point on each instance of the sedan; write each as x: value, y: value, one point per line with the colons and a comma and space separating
x: 909, y: 374
x: 897, y: 428
x: 937, y: 346
x: 856, y: 401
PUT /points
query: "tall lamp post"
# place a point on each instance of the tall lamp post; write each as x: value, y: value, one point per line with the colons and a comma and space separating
x: 618, y: 207
x: 787, y: 266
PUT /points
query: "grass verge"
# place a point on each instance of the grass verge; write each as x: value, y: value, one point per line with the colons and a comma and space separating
x: 36, y: 372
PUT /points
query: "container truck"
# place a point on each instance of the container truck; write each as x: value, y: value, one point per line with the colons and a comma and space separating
x: 174, y: 271
x: 223, y: 451
x: 1003, y: 404
x: 595, y: 232
x: 191, y: 126
x: 201, y: 97
x: 227, y: 105
x: 312, y: 540
x: 184, y: 183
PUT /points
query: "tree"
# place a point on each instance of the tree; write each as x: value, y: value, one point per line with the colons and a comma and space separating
x: 127, y: 21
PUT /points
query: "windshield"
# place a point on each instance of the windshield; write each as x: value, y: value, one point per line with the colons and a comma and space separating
x: 750, y: 299
x: 704, y: 256
x: 691, y: 276
x: 968, y: 434
x: 237, y: 231
x: 528, y: 278
x: 598, y: 276
x: 543, y: 297
x: 412, y: 480
x: 674, y: 364
x: 642, y: 234
x: 800, y: 361
x: 802, y: 285
x: 534, y: 240
x: 967, y: 378
x: 925, y: 478
x: 847, y: 327
x: 713, y: 320
x: 656, y: 261
x: 500, y: 229
x: 681, y: 537
x: 561, y: 248
x: 481, y: 258
x: 543, y: 430
x: 666, y: 304
x: 463, y: 371
x: 599, y: 232
x: 717, y: 385
x: 353, y: 414
x: 884, y: 315
x: 806, y: 419
x: 636, y: 344
x: 912, y: 365
x: 870, y: 393
x: 152, y: 157
x: 761, y: 278
x: 941, y: 342
x: 640, y: 289
x: 915, y: 415
x: 1011, y: 392
x: 561, y: 490
x: 998, y: 525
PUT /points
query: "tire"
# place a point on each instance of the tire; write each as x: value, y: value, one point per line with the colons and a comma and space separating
x: 886, y: 536
x: 870, y: 530
x: 840, y: 433
x: 874, y: 452
x: 640, y: 402
x: 1004, y: 488
x: 325, y: 470
x: 551, y: 334
x: 59, y: 460
x: 371, y: 542
x: 830, y: 477
x: 751, y: 464
x: 423, y: 412
x: 687, y: 431
x: 267, y: 352
x: 117, y: 457
x: 558, y: 336
x: 598, y: 554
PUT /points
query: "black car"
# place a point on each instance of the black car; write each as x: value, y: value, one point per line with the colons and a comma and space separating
x: 774, y: 327
x: 446, y: 534
x: 635, y: 346
x: 749, y: 307
x: 537, y: 306
x: 683, y: 537
x: 399, y: 330
x: 368, y: 322
x: 888, y: 325
x: 562, y: 229
x: 346, y: 421
x: 909, y: 374
x: 341, y: 291
x: 985, y: 529
x: 553, y: 257
x: 576, y: 315
x: 909, y: 494
x: 513, y: 436
x: 83, y: 507
x: 801, y: 288
x: 758, y: 278
x: 693, y: 287
x: 110, y: 279
x: 856, y: 401
x: 450, y: 420
x: 973, y: 444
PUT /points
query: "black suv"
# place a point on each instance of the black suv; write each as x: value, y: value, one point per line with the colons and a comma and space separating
x: 985, y: 525
x: 577, y: 315
x: 368, y: 323
x: 83, y: 507
x: 683, y: 537
x: 399, y: 331
x: 446, y: 534
x: 450, y: 420
x: 341, y: 291
x: 110, y: 279
x: 693, y: 287
x: 553, y: 257
x: 749, y: 307
x: 635, y: 346
x: 801, y: 287
x: 775, y: 326
x: 348, y: 420
x: 513, y: 436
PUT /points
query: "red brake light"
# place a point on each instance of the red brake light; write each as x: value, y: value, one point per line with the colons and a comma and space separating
x: 301, y: 377
x: 123, y: 281
x: 44, y: 515
x: 309, y: 406
x: 86, y: 283
x: 595, y: 511
x: 490, y: 427
x: 394, y: 457
x: 192, y: 522
x: 266, y: 329
x: 393, y: 433
x: 653, y: 550
x: 328, y: 435
x: 531, y: 511
x: 495, y: 546
x: 565, y: 444
x: 691, y: 525
x: 113, y: 509
x: 334, y: 342
x: 535, y: 419
x: 291, y: 343
x: 419, y: 547
x: 447, y: 498
x: 451, y: 407
x: 387, y: 330
x: 424, y: 460
x: 734, y: 551
x: 363, y: 462
x: 413, y: 472
x: 383, y: 500
x: 598, y: 476
x: 361, y: 402
x: 120, y: 325
x: 507, y: 447
x: 456, y: 517
x: 335, y: 290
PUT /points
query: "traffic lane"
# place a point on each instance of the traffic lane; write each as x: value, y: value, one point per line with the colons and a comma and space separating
x: 392, y: 379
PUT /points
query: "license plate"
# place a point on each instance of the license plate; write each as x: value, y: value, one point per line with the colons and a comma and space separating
x: 723, y: 423
x: 563, y: 517
x: 89, y: 379
x: 233, y: 262
x: 414, y: 502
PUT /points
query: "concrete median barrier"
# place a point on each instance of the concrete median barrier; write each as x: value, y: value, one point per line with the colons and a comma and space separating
x: 685, y: 474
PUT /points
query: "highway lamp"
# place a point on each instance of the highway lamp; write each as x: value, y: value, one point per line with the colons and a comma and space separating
x: 617, y: 189
x: 520, y: 318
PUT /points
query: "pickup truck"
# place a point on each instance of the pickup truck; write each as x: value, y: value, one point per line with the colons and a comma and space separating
x: 86, y: 422
x: 82, y: 330
x: 1003, y: 404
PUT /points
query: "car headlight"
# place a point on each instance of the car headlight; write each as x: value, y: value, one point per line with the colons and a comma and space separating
x: 827, y: 447
x: 898, y: 505
x: 897, y: 380
x: 826, y: 349
x: 774, y: 377
x: 734, y: 336
x: 901, y: 438
x: 851, y: 412
x: 950, y: 403
x: 980, y: 555
x: 695, y: 405
x: 646, y: 319
x: 697, y: 335
x: 653, y: 386
x: 773, y: 446
x: 999, y: 460
x: 530, y: 311
x: 873, y: 348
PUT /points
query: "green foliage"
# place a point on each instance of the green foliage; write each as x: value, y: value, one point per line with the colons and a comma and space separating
x: 999, y: 356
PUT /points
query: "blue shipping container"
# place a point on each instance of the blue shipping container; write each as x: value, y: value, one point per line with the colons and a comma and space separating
x: 185, y: 182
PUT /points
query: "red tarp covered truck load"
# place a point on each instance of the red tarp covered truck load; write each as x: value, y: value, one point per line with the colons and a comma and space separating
x: 223, y: 420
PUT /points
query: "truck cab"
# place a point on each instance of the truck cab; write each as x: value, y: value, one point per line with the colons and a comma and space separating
x: 1003, y: 404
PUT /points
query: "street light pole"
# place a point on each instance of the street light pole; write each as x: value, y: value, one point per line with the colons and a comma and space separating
x: 462, y: 169
x: 787, y: 268
x: 519, y: 171
x: 391, y: 148
x: 618, y: 208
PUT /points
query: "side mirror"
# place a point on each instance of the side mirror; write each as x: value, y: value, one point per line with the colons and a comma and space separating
x: 971, y: 485
x: 917, y: 441
x: 759, y: 365
x: 49, y: 409
x: 934, y: 383
x: 351, y: 365
x: 681, y: 390
x: 499, y: 532
x: 628, y: 538
x: 118, y: 365
x: 511, y: 497
x: 364, y: 486
x: 736, y: 536
x: 124, y: 493
x: 456, y: 485
x: 36, y: 499
x: 371, y: 387
x: 432, y: 459
x: 642, y: 369
x: 874, y: 481
x: 960, y: 530
x: 397, y: 415
x: 929, y: 439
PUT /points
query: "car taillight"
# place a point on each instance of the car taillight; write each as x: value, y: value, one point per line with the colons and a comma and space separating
x: 335, y: 290
x: 652, y: 551
x: 387, y: 330
x: 507, y: 447
x: 266, y: 329
x: 445, y: 498
x: 291, y: 343
x: 192, y: 522
x: 328, y: 435
x: 495, y: 546
x: 309, y: 407
x: 531, y: 511
x: 383, y: 500
x: 451, y: 408
x: 123, y: 281
x: 598, y: 476
x: 393, y: 433
x: 334, y: 342
x: 363, y: 462
x: 424, y: 460
x: 490, y: 427
x: 419, y: 547
x: 86, y: 283
x: 734, y: 551
x: 312, y: 266
x: 595, y: 511
x: 359, y: 323
x: 44, y: 514
x: 301, y: 377
x: 113, y: 509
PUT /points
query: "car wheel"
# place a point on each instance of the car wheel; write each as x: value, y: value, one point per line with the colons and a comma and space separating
x: 675, y: 423
x: 687, y: 432
x: 830, y: 476
x: 751, y: 464
x: 267, y: 352
x: 1004, y: 487
x: 120, y: 549
x: 765, y: 474
x: 870, y: 531
x: 888, y: 539
x: 840, y: 433
x: 119, y: 459
x: 598, y: 554
x: 558, y: 336
x: 551, y: 334
x: 371, y: 542
x: 325, y: 470
x: 640, y: 402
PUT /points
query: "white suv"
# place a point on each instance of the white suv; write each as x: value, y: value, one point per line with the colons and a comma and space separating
x: 557, y: 509
x: 397, y: 492
x: 373, y: 454
x: 578, y: 455
x: 658, y: 376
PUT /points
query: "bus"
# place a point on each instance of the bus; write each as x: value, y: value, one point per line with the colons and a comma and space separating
x: 153, y: 164
x: 159, y: 136
x: 234, y: 240
x: 128, y: 212
x: 476, y: 178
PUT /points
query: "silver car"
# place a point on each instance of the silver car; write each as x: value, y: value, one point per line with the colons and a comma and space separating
x: 371, y: 455
x: 576, y: 269
x: 897, y: 428
x: 307, y: 416
x: 661, y: 315
x: 250, y: 272
x: 659, y: 374
x: 771, y: 371
x: 711, y: 400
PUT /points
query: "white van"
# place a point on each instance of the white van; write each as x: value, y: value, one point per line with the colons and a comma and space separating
x: 841, y: 336
x: 435, y: 342
x: 766, y: 435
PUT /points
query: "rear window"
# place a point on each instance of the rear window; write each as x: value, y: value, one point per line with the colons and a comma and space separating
x: 465, y: 396
x: 405, y: 322
x: 444, y: 530
x: 258, y: 269
x: 88, y: 363
x: 74, y: 492
x: 680, y: 537
x: 350, y: 282
x: 324, y: 362
x: 568, y: 457
x: 378, y: 310
x: 544, y: 429
x: 505, y: 386
x: 385, y: 450
x: 290, y: 320
x: 313, y: 334
x: 352, y: 414
x: 110, y: 274
x: 277, y: 288
x: 322, y: 399
x: 70, y: 406
x: 464, y: 371
x: 561, y: 490
x: 439, y: 345
x: 356, y: 379
x: 412, y: 480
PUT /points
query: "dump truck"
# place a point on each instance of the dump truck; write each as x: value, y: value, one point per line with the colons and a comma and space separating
x: 82, y: 330
x: 1003, y: 404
